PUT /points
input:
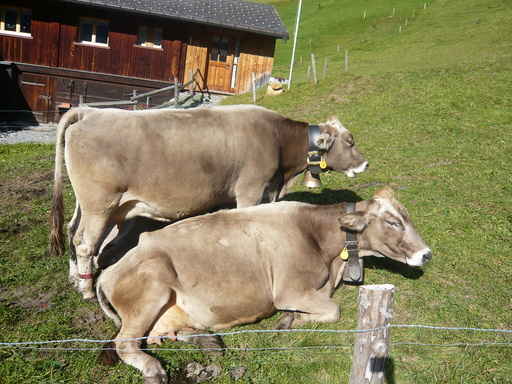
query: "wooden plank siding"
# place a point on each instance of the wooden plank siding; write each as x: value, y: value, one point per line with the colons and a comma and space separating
x: 122, y: 56
x: 256, y: 55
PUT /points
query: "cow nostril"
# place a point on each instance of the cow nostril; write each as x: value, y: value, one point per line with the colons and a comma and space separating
x: 427, y: 256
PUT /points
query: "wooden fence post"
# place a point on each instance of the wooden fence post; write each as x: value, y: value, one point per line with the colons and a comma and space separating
x: 134, y: 94
x: 324, y: 73
x: 313, y: 67
x: 371, y: 348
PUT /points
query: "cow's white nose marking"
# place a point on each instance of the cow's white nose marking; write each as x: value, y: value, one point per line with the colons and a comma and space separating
x: 418, y: 259
x: 352, y: 171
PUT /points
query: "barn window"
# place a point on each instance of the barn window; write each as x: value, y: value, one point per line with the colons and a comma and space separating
x: 219, y: 49
x: 16, y: 21
x: 93, y: 31
x: 150, y: 37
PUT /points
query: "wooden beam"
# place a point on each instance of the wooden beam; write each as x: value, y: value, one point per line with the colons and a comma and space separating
x: 86, y: 75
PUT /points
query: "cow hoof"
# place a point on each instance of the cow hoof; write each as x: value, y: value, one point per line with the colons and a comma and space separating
x: 213, y: 345
x: 90, y: 299
x: 286, y: 321
x: 158, y: 379
x: 108, y: 355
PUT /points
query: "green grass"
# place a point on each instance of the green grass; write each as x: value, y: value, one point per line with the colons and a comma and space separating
x: 431, y: 108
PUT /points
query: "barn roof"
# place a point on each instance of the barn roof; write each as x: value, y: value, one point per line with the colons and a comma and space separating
x: 233, y: 14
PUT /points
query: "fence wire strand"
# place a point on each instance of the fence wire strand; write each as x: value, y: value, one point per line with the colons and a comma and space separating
x: 36, y: 345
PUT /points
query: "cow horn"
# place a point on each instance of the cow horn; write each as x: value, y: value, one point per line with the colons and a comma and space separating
x: 385, y: 193
x: 312, y: 181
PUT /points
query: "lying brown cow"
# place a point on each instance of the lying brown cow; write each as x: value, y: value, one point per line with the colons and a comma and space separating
x: 172, y: 164
x: 238, y: 266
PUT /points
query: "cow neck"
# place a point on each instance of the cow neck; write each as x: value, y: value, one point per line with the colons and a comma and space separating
x: 325, y: 229
x: 294, y: 149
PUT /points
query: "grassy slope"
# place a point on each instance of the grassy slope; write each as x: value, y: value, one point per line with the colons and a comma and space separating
x: 432, y: 110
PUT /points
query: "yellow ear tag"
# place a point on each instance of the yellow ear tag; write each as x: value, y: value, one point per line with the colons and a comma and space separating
x: 323, y: 163
x: 344, y: 254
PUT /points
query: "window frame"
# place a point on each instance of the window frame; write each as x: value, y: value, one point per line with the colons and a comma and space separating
x: 19, y: 13
x: 150, y: 33
x: 94, y: 23
x: 219, y: 48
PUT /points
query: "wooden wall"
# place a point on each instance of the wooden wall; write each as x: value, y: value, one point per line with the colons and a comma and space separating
x: 54, y: 43
x: 256, y: 55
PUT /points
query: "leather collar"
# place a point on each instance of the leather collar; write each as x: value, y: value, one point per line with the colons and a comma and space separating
x: 354, y: 270
x: 351, y: 238
x: 315, y: 159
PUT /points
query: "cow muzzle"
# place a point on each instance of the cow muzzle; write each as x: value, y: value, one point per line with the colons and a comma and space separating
x: 352, y: 172
x: 419, y: 258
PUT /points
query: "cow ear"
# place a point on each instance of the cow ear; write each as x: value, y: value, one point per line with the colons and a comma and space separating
x: 356, y: 221
x: 324, y: 140
x: 335, y: 122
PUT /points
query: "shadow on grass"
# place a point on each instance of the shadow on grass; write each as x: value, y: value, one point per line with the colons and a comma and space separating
x: 393, y: 266
x: 327, y: 196
x: 389, y: 371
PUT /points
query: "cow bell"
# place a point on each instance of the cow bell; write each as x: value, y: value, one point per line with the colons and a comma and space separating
x: 312, y: 181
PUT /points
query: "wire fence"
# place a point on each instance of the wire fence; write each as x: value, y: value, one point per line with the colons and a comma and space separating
x: 43, y: 344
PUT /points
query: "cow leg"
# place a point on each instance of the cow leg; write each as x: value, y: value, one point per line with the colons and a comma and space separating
x: 249, y: 194
x: 273, y: 188
x: 316, y: 307
x: 130, y: 353
x: 138, y: 314
x: 72, y: 228
x: 86, y: 240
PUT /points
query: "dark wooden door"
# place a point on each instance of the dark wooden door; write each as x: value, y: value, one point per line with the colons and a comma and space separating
x: 37, y: 93
x: 221, y: 52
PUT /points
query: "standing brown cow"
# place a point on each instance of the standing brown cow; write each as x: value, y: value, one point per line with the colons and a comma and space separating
x: 172, y: 164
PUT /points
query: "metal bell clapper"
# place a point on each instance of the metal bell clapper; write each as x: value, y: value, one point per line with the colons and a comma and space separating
x: 311, y: 181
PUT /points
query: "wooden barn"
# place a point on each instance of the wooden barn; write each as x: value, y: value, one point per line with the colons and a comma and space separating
x: 55, y: 52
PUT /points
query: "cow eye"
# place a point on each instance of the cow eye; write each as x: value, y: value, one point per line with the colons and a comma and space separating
x: 394, y: 224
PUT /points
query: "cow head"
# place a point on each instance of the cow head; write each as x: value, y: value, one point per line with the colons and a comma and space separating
x: 342, y: 154
x: 385, y: 229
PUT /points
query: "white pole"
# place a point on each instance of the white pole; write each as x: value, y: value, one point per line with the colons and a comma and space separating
x: 294, y: 43
x: 253, y: 80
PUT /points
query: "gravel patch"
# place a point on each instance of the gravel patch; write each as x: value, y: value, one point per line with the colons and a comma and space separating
x: 14, y: 133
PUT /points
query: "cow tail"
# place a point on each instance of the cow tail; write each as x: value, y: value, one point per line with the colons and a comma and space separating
x: 105, y: 304
x: 57, y: 211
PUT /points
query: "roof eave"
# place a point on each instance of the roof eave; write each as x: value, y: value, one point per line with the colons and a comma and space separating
x: 277, y: 35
